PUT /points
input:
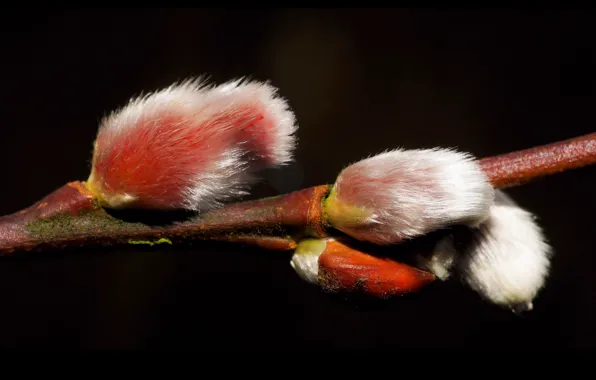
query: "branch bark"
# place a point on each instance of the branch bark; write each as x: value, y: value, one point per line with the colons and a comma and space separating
x: 71, y: 217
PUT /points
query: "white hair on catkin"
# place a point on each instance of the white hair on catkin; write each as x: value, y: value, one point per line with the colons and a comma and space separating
x: 409, y: 193
x: 192, y: 145
x: 305, y: 260
x: 506, y: 260
x: 198, y: 99
x: 509, y: 259
x: 442, y: 259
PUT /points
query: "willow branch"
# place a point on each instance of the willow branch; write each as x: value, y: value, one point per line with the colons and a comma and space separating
x: 71, y: 217
x: 524, y: 166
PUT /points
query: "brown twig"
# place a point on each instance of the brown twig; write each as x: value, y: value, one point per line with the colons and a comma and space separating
x: 71, y: 217
x: 518, y: 168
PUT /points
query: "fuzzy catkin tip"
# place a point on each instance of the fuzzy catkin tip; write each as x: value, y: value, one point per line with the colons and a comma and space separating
x: 305, y: 260
x: 508, y: 260
x: 402, y: 194
x: 191, y: 145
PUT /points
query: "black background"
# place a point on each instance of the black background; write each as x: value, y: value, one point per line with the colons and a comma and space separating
x: 360, y: 82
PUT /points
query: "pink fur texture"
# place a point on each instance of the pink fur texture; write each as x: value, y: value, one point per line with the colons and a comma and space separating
x: 408, y: 193
x: 190, y: 145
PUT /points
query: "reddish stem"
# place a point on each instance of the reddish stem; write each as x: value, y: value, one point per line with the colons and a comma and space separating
x: 70, y: 216
x: 518, y: 168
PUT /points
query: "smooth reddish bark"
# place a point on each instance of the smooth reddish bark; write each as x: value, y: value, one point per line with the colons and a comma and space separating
x: 343, y: 268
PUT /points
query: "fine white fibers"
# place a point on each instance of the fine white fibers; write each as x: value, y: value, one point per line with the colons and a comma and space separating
x: 305, y: 260
x: 281, y: 140
x: 198, y: 101
x: 409, y: 193
x: 509, y: 259
x: 306, y: 266
x: 228, y: 179
x: 191, y: 145
x: 442, y: 259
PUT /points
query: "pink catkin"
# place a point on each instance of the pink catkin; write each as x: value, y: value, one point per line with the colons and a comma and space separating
x: 408, y: 193
x: 190, y: 146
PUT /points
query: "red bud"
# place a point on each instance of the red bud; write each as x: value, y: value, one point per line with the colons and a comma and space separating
x: 345, y: 269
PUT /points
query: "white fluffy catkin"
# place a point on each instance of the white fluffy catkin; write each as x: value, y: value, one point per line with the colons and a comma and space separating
x: 507, y: 260
x: 402, y: 194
